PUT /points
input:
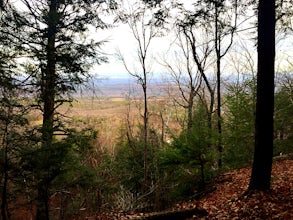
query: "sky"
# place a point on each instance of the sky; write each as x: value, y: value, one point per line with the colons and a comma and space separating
x: 117, y: 38
x: 121, y: 38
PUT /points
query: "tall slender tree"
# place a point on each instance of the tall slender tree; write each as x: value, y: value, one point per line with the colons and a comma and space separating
x: 139, y: 18
x: 222, y: 28
x: 263, y: 152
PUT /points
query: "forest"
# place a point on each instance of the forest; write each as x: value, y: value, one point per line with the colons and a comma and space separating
x: 212, y: 139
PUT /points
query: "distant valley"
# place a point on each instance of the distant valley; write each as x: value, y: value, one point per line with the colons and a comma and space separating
x: 121, y: 87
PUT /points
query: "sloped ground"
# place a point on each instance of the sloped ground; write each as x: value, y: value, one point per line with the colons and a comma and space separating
x: 229, y: 202
x: 226, y: 202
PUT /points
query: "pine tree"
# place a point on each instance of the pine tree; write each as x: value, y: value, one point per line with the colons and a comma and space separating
x: 51, y: 36
x: 12, y: 116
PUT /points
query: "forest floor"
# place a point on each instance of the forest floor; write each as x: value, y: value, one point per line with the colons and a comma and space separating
x: 229, y: 200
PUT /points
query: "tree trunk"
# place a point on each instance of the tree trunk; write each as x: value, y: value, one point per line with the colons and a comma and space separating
x: 145, y: 125
x: 219, y: 117
x: 48, y: 97
x: 5, y: 170
x: 218, y: 55
x: 210, y: 117
x: 43, y: 202
x: 263, y: 153
x: 49, y: 78
x: 190, y: 110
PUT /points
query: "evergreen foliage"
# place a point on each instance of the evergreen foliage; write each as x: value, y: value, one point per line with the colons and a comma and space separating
x: 283, y: 121
x: 239, y: 126
x: 186, y: 165
x: 60, y: 167
x: 12, y: 121
x: 50, y: 36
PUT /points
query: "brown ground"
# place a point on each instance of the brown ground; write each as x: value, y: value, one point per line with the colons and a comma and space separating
x: 228, y: 200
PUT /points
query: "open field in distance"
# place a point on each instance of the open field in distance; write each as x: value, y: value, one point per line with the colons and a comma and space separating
x: 106, y: 110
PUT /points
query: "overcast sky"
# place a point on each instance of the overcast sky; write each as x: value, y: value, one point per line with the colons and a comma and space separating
x: 121, y: 38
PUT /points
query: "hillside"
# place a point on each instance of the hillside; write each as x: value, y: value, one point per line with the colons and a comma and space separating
x: 228, y: 200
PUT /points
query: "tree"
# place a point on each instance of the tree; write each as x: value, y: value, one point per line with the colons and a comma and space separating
x: 140, y: 20
x: 63, y: 167
x: 222, y: 28
x: 220, y: 19
x: 58, y: 58
x: 264, y: 130
x: 185, y: 74
x: 239, y: 124
x: 12, y: 117
x: 201, y: 52
x: 12, y: 129
x: 239, y: 99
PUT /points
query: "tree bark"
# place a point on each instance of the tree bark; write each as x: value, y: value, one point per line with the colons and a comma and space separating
x: 43, y: 202
x: 48, y: 97
x: 49, y: 77
x: 219, y: 117
x: 263, y: 153
x: 145, y: 131
x: 4, y: 213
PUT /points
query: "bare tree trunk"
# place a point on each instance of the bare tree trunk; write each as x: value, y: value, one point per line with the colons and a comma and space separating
x: 219, y: 117
x: 219, y: 55
x: 163, y: 125
x: 145, y: 130
x: 200, y: 66
x: 264, y: 123
x: 190, y: 109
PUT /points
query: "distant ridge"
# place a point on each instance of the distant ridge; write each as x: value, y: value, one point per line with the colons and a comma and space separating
x: 121, y: 87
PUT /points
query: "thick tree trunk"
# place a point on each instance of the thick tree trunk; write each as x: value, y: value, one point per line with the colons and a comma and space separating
x: 262, y: 164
